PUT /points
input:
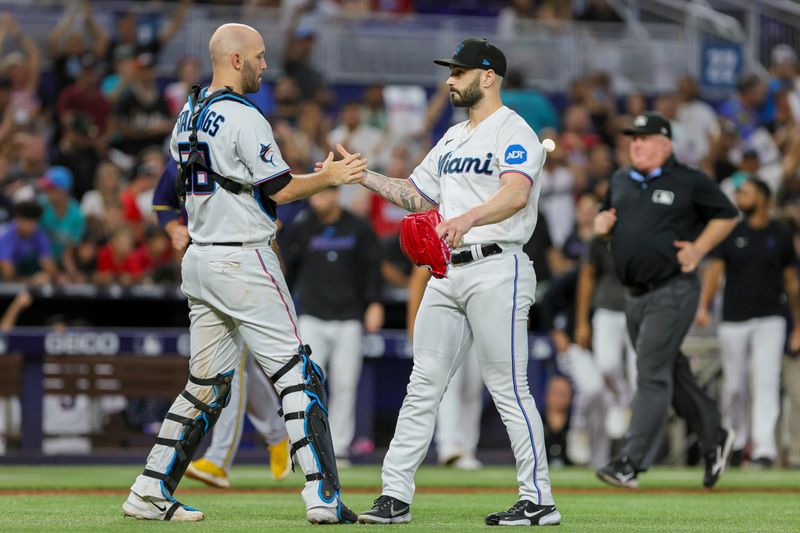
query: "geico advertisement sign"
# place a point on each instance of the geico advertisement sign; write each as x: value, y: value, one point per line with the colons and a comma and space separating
x: 85, y: 342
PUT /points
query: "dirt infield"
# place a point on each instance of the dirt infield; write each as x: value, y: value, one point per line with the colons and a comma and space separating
x: 420, y: 490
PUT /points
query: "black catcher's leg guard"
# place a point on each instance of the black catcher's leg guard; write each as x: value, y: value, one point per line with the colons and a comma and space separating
x: 196, y: 418
x: 307, y: 402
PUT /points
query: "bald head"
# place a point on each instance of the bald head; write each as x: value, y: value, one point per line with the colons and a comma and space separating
x: 237, y: 57
x: 232, y: 38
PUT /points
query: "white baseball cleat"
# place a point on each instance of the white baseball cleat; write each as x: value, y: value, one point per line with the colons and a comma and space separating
x: 151, y: 508
x: 331, y: 515
x: 467, y: 462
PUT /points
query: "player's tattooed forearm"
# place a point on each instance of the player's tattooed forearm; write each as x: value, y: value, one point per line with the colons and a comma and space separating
x: 400, y: 192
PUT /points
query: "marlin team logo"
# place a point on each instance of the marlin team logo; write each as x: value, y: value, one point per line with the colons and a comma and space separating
x: 267, y: 154
x: 458, y: 49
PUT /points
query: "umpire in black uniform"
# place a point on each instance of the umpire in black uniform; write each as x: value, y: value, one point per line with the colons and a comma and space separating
x: 663, y: 218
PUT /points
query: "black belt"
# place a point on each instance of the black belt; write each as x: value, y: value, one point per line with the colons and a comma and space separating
x: 644, y: 288
x: 467, y: 256
x: 238, y: 244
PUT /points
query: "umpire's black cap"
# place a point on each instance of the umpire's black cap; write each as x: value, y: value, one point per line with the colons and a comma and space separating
x: 650, y: 123
x: 477, y: 53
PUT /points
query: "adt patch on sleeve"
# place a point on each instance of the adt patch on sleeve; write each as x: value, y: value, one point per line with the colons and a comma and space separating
x: 516, y: 154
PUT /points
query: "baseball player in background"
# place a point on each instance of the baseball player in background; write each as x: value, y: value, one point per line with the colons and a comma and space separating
x: 333, y: 266
x: 483, y: 177
x: 601, y: 295
x: 458, y: 423
x: 758, y: 260
x: 233, y: 176
x: 255, y: 396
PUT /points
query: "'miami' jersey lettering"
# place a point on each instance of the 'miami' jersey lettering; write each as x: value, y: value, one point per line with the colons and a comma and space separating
x: 460, y: 165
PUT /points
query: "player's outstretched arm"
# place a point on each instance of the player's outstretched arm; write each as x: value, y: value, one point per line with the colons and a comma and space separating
x: 350, y: 169
x: 398, y: 191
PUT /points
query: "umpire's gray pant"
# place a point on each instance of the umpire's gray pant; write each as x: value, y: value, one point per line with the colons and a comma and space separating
x: 658, y: 321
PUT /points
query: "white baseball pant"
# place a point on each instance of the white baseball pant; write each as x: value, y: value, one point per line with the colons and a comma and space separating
x: 237, y: 293
x: 336, y: 347
x: 589, y: 405
x: 458, y: 424
x: 615, y: 356
x: 791, y: 384
x: 752, y: 349
x: 482, y: 304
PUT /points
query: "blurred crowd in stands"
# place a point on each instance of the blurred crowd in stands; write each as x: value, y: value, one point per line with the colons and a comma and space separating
x: 84, y: 124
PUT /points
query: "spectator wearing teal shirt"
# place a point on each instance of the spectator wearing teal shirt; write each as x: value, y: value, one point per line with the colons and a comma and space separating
x: 61, y: 218
x: 530, y: 104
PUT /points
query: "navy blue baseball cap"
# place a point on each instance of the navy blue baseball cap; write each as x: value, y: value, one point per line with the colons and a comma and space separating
x: 477, y: 53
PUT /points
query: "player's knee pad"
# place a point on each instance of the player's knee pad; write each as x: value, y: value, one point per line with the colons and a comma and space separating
x: 193, y: 429
x: 314, y: 415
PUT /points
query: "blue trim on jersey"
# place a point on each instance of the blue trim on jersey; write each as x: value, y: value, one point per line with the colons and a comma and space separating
x: 431, y: 200
x: 276, y: 175
x: 514, y: 380
x: 219, y: 98
x: 515, y: 172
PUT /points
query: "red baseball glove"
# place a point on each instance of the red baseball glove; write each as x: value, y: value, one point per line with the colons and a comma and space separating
x: 420, y: 243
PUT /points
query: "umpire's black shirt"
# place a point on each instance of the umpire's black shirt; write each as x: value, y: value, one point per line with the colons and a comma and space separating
x: 672, y: 203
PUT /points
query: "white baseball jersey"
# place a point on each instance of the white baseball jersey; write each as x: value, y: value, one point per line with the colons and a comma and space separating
x: 237, y: 142
x: 463, y: 170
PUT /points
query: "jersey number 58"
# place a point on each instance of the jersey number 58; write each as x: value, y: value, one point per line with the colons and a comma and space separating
x: 201, y: 183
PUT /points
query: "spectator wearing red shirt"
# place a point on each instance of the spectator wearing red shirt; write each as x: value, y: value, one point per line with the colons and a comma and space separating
x: 384, y: 216
x: 156, y: 257
x: 117, y: 261
x: 578, y: 137
x: 137, y: 197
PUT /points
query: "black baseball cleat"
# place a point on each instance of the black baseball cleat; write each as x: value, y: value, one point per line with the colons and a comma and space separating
x: 347, y: 516
x: 387, y: 510
x: 619, y: 473
x: 737, y: 458
x: 717, y: 459
x: 526, y: 513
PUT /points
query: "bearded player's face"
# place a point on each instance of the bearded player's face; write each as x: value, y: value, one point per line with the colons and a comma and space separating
x: 253, y: 67
x: 465, y: 87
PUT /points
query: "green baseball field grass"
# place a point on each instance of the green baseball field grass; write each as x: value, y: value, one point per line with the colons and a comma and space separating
x: 88, y: 498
